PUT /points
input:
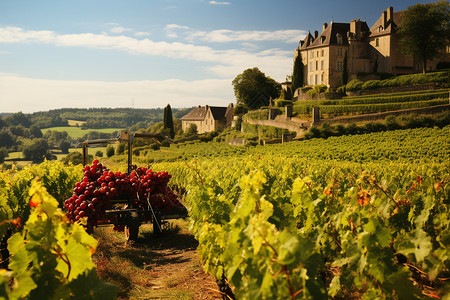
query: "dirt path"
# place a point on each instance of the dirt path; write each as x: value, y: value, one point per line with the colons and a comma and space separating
x: 162, y: 266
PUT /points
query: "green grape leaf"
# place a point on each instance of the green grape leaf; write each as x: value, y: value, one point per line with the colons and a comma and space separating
x: 416, y: 242
x: 289, y: 247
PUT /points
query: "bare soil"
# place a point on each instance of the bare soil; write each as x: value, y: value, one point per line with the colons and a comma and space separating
x: 156, y: 266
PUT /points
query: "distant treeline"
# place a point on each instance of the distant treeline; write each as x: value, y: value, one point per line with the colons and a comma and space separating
x: 103, y: 117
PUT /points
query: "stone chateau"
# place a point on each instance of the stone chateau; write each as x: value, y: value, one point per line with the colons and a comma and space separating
x: 368, y: 50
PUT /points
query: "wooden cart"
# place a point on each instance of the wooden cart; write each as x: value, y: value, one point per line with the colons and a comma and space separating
x: 123, y: 213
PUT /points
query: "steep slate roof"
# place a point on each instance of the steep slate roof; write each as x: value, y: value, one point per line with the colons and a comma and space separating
x: 197, y: 114
x: 330, y: 35
x: 218, y: 112
x: 390, y: 28
x: 308, y: 41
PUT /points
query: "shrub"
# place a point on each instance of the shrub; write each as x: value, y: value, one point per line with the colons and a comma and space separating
x: 320, y: 88
x: 121, y: 148
x: 110, y: 151
x: 354, y: 85
x: 76, y: 158
x: 99, y: 153
x: 371, y: 84
x: 341, y: 89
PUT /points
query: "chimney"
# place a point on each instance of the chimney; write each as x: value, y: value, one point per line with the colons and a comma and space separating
x: 383, y: 19
x: 324, y: 26
x: 316, y: 34
x: 390, y: 15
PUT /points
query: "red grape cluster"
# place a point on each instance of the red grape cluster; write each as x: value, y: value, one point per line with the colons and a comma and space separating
x: 93, y: 194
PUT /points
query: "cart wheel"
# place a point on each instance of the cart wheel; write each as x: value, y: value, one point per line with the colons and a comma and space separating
x: 132, y: 230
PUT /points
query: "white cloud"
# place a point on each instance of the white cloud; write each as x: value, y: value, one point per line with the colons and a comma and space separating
x: 275, y: 62
x: 30, y: 95
x: 219, y: 3
x: 227, y: 36
x: 119, y: 29
x: 142, y: 33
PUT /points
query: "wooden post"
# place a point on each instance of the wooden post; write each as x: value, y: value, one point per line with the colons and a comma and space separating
x: 315, y: 115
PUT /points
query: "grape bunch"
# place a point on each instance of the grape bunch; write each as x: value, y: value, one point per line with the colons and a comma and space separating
x: 93, y: 194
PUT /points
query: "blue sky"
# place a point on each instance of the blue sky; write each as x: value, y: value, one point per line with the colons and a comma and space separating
x: 148, y: 53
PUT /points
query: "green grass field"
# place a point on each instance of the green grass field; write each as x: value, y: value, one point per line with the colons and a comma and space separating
x: 77, y: 132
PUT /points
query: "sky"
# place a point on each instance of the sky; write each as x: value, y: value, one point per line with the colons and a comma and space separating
x: 150, y: 53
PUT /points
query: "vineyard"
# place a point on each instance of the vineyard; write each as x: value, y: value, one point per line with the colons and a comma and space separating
x: 347, y: 217
x: 373, y: 103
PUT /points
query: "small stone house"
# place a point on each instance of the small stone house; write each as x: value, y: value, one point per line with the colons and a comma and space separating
x: 208, y: 118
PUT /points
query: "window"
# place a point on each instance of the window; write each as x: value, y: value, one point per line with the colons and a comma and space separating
x: 339, y: 39
x: 339, y: 51
x: 311, y: 66
x: 317, y: 65
x: 316, y: 80
x: 380, y: 29
x: 321, y: 78
x: 377, y: 42
x: 317, y: 54
x: 312, y: 54
x: 323, y: 53
x: 311, y: 80
x: 321, y: 65
x: 339, y: 66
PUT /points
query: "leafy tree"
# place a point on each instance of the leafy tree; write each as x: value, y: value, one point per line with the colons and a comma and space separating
x: 252, y: 81
x: 345, y: 70
x: 35, y: 131
x: 18, y: 119
x: 64, y: 146
x: 36, y: 150
x: 425, y: 30
x: 297, y: 74
x: 76, y: 158
x: 168, y: 121
x: 6, y: 139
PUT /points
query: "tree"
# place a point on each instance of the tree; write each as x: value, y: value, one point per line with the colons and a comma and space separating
x: 64, y: 146
x: 36, y: 150
x: 168, y: 121
x: 297, y: 74
x: 18, y: 119
x: 345, y: 70
x: 6, y: 139
x: 425, y: 31
x: 36, y: 131
x: 251, y: 82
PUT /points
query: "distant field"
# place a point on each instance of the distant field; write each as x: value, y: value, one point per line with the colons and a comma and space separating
x: 76, y: 132
x: 75, y: 122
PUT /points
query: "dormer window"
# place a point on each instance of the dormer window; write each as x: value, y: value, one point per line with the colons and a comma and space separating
x: 339, y: 39
x: 322, y: 39
x: 380, y: 28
